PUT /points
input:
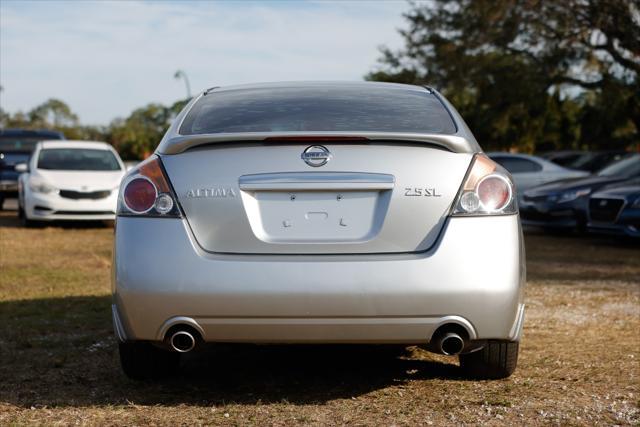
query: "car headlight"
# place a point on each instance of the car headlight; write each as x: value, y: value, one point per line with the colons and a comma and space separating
x: 40, y: 186
x: 569, y: 196
x: 636, y: 204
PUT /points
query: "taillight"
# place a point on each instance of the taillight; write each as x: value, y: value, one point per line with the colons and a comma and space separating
x: 139, y: 195
x: 487, y: 190
x: 145, y: 191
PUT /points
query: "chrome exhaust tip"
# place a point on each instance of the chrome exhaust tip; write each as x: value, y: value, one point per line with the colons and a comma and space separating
x: 182, y: 341
x: 450, y: 344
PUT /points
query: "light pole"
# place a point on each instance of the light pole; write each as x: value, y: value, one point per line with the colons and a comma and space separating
x: 182, y: 74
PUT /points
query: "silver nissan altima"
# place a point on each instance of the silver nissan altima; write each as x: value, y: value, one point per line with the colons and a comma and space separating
x: 318, y: 213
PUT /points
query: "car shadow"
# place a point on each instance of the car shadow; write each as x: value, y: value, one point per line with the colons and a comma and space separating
x: 9, y: 219
x: 61, y: 352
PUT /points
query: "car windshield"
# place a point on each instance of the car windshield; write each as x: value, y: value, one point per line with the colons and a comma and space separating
x: 77, y: 159
x: 597, y: 161
x: 629, y: 166
x: 318, y: 109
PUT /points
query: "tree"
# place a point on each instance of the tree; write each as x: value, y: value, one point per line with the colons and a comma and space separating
x: 135, y: 137
x: 138, y: 135
x: 53, y: 113
x: 526, y: 73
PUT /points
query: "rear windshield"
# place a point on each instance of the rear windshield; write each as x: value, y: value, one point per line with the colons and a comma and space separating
x: 77, y: 159
x: 318, y: 109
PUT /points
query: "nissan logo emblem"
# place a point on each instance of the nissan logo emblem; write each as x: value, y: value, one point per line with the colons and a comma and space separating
x: 316, y: 155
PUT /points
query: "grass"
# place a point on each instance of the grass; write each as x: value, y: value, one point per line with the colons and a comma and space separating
x: 579, y: 361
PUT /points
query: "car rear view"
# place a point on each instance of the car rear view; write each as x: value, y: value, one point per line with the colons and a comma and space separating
x: 318, y: 213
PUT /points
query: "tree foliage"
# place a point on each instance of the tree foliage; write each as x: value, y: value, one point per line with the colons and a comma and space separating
x: 139, y: 134
x: 134, y: 137
x: 528, y: 74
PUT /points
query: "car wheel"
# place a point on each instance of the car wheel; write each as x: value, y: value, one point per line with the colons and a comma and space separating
x: 497, y: 359
x: 145, y: 361
x: 24, y: 221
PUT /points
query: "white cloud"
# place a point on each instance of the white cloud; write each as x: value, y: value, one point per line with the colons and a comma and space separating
x: 107, y: 58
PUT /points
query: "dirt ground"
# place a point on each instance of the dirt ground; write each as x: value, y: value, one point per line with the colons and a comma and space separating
x: 579, y: 359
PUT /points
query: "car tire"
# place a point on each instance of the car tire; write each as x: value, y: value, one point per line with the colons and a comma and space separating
x: 497, y: 359
x: 24, y: 221
x: 145, y: 361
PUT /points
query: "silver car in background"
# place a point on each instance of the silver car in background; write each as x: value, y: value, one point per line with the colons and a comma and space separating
x: 530, y: 171
x: 318, y: 213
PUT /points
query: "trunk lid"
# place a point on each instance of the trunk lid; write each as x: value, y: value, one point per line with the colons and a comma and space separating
x: 258, y: 198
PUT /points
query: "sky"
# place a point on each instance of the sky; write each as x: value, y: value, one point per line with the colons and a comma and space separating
x: 106, y: 58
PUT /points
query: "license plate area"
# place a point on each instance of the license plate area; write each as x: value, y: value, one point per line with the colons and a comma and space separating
x: 345, y: 216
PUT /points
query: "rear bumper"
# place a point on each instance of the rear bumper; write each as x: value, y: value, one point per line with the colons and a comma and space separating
x: 473, y: 276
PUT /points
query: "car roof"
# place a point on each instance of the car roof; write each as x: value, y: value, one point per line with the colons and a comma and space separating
x: 320, y: 84
x: 96, y: 145
x: 516, y: 156
x: 52, y: 134
x: 545, y: 163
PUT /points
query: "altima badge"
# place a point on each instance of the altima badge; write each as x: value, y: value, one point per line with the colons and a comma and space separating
x: 202, y: 193
x: 316, y: 155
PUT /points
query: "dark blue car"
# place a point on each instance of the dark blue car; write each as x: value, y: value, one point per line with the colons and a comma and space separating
x: 615, y: 209
x: 16, y: 146
x: 564, y: 204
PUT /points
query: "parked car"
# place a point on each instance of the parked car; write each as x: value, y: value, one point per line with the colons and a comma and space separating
x: 530, y: 171
x: 564, y: 157
x: 588, y: 161
x: 16, y: 146
x: 596, y: 160
x: 564, y: 204
x: 70, y: 180
x: 318, y: 213
x: 615, y: 209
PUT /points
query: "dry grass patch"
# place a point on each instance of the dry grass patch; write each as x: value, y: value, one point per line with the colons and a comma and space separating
x: 578, y: 366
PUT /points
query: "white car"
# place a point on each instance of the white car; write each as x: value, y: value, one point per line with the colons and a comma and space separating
x: 69, y: 180
x: 531, y: 171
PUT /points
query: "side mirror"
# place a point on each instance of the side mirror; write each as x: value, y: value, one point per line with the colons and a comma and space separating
x: 21, y: 167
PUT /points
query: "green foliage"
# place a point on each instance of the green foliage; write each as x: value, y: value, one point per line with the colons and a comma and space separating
x: 528, y: 75
x: 134, y: 137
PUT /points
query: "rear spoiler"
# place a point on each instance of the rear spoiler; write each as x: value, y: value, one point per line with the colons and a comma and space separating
x: 180, y: 143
